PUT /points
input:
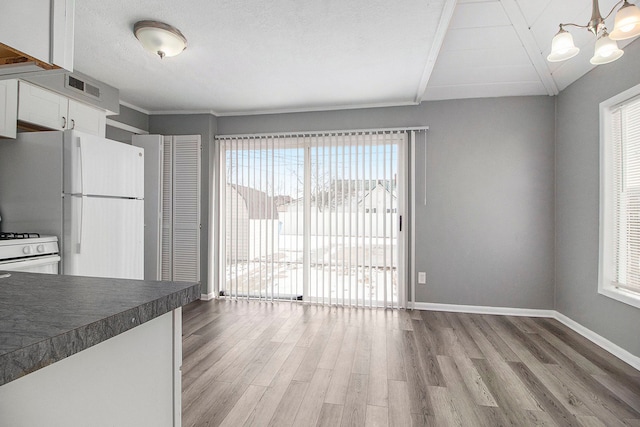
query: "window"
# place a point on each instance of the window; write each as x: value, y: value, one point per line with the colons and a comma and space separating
x: 620, y: 197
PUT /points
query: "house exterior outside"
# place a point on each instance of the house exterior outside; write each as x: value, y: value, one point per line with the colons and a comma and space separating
x: 252, y: 224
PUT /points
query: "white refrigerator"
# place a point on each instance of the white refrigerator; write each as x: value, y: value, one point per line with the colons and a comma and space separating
x: 86, y: 190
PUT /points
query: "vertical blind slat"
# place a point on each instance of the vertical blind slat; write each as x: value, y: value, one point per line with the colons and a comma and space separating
x: 270, y: 207
x: 384, y: 220
x: 332, y: 197
x: 317, y: 210
x: 353, y: 189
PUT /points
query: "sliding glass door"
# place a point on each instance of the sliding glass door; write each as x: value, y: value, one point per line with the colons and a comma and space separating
x: 314, y: 218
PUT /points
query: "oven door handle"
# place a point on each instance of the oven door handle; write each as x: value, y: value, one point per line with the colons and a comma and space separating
x: 22, y: 264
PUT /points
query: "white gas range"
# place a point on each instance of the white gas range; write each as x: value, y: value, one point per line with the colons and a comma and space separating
x: 29, y: 252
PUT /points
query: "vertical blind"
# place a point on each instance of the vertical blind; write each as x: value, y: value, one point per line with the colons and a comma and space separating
x: 313, y: 217
x: 625, y: 122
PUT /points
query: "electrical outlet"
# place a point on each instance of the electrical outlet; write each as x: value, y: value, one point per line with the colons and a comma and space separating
x: 422, y: 278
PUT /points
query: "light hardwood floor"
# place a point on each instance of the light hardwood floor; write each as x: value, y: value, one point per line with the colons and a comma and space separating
x: 287, y: 364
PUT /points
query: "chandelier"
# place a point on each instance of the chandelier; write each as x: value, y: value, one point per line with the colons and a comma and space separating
x: 626, y: 26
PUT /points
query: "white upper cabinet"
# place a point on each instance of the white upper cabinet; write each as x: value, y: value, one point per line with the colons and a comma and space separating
x: 85, y: 118
x: 8, y: 108
x: 35, y: 35
x: 43, y: 108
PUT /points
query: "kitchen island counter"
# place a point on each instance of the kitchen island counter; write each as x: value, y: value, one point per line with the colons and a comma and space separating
x: 80, y: 351
x: 45, y: 318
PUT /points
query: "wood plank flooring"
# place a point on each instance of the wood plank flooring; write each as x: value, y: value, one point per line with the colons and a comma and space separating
x: 249, y: 363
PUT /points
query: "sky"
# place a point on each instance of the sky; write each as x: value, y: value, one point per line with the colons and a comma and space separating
x: 280, y: 171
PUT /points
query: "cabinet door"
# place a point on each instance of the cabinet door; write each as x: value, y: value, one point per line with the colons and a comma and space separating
x: 41, y: 107
x: 8, y: 108
x: 25, y: 26
x: 87, y: 119
x: 39, y: 30
x: 62, y: 23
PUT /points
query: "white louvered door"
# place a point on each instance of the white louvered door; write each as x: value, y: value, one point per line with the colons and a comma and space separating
x: 167, y: 210
x: 181, y: 208
x: 186, y: 208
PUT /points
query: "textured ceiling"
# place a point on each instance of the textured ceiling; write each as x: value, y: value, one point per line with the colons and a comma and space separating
x: 254, y: 56
x: 264, y: 56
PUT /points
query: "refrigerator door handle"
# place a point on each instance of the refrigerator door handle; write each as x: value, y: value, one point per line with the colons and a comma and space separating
x: 79, y: 223
x: 80, y: 165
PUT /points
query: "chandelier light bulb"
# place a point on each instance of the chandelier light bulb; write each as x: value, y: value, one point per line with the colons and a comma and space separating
x: 606, y: 50
x: 627, y: 22
x: 562, y: 47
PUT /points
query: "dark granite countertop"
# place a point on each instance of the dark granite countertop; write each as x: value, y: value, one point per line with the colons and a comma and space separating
x: 45, y: 318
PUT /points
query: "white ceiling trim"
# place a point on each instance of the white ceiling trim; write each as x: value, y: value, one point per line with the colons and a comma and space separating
x: 263, y: 112
x: 170, y: 112
x: 312, y: 109
x: 530, y: 45
x: 443, y: 26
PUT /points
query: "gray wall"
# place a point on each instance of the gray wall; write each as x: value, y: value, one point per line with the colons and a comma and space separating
x: 577, y: 203
x: 118, y: 134
x: 486, y: 234
x: 130, y: 117
x: 204, y: 125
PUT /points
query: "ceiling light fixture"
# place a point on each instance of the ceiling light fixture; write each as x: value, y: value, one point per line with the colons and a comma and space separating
x: 160, y: 38
x: 626, y: 26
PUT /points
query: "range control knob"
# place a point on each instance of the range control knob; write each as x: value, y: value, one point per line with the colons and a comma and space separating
x: 26, y: 250
x: 40, y: 248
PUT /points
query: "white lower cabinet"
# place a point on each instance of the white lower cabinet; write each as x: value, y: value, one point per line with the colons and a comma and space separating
x: 8, y: 108
x: 132, y: 379
x: 46, y: 109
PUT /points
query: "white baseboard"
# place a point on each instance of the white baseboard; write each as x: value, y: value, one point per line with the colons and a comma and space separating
x: 480, y: 309
x: 207, y: 297
x: 612, y: 348
x: 599, y: 340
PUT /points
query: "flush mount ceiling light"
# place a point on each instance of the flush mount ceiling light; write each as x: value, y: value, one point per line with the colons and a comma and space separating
x: 160, y: 38
x: 626, y: 26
